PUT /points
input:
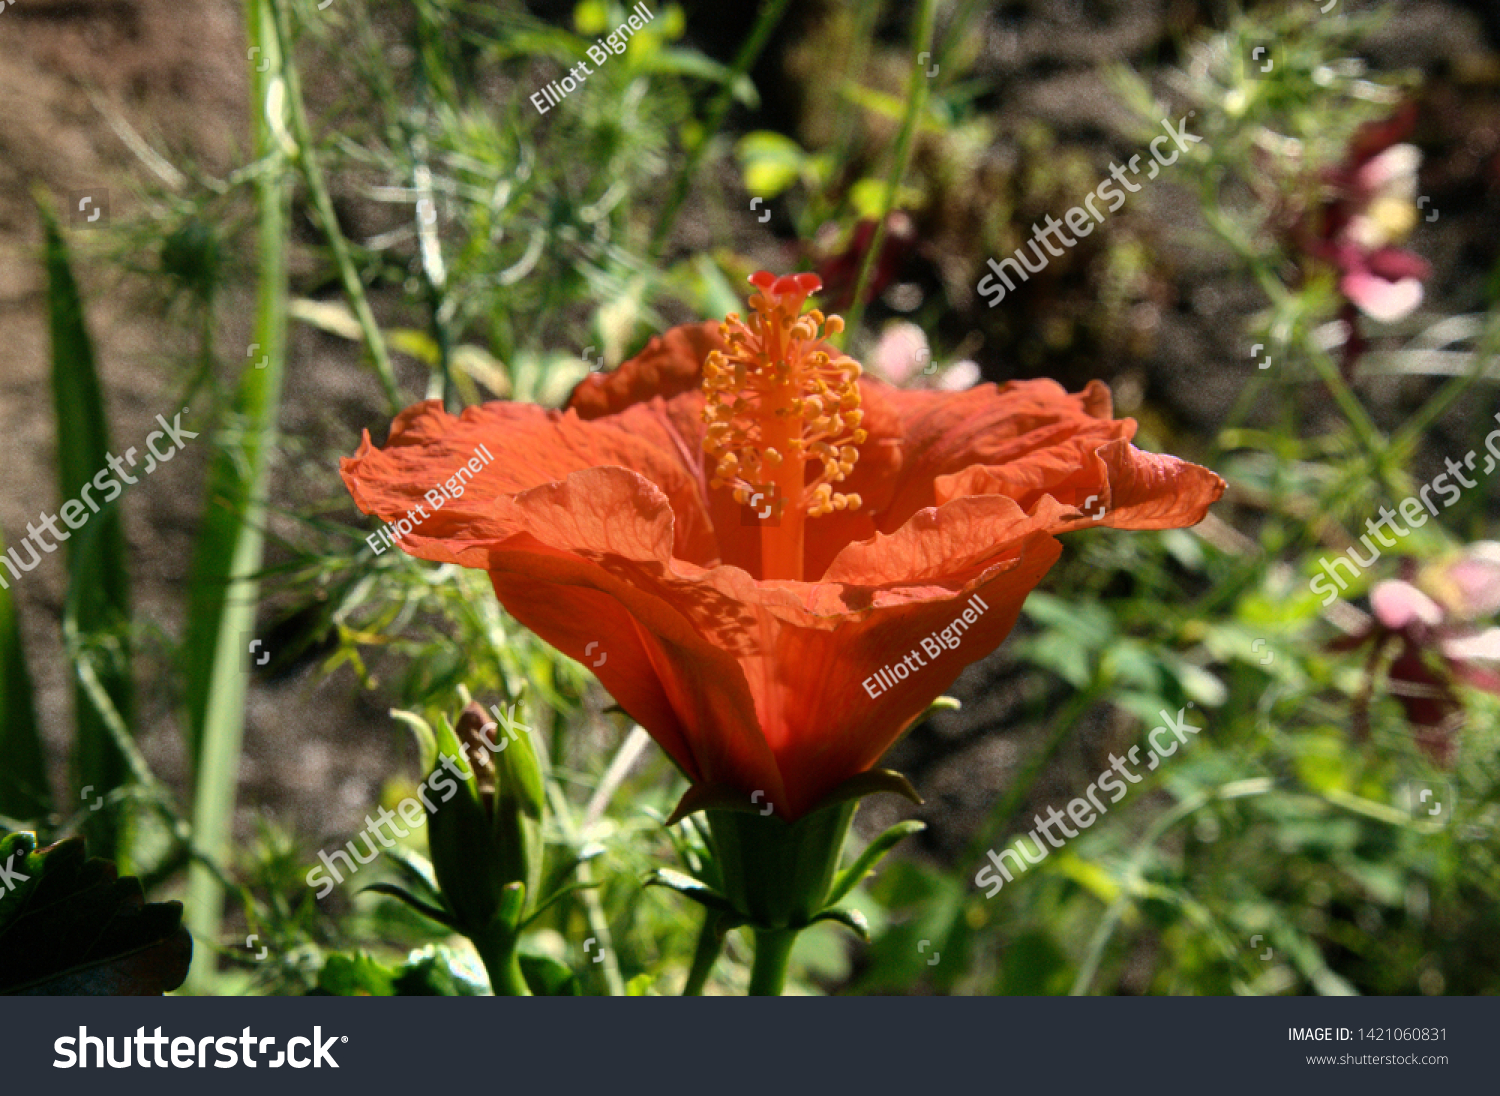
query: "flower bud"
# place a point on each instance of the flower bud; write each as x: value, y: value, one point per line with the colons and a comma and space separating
x: 489, y: 835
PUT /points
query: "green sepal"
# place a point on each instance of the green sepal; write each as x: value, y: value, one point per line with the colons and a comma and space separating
x: 519, y: 804
x: 873, y: 854
x: 390, y: 890
x: 552, y: 899
x: 851, y: 918
x: 519, y: 768
x: 779, y: 875
x: 715, y: 797
x: 870, y: 782
x: 417, y: 871
x: 689, y: 887
x: 427, y: 750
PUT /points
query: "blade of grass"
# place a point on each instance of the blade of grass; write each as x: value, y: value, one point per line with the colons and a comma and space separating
x: 770, y: 17
x: 223, y: 585
x: 23, y: 775
x: 97, y: 580
x: 916, y: 103
x: 317, y: 189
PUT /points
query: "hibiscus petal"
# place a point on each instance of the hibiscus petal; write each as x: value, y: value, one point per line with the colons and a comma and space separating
x: 831, y: 725
x: 531, y: 447
x: 671, y: 363
x: 946, y: 433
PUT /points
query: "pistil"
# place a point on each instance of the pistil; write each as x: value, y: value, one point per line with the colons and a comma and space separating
x: 778, y: 399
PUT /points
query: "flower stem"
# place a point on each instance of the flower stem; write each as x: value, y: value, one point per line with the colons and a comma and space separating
x: 704, y: 956
x: 498, y: 954
x: 773, y: 949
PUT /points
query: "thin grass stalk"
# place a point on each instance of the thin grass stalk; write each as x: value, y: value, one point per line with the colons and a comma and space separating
x: 770, y: 17
x: 235, y: 519
x: 916, y: 103
x: 317, y: 189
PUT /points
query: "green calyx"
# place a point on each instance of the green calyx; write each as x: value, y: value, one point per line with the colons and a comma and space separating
x: 774, y: 875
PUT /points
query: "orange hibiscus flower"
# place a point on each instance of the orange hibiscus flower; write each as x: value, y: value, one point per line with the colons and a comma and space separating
x: 772, y: 562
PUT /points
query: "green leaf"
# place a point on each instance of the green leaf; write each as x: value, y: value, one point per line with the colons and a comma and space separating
x: 772, y: 162
x: 849, y: 878
x: 433, y: 971
x: 390, y: 890
x: 70, y: 926
x: 549, y: 978
x: 677, y: 61
x: 98, y: 584
x: 356, y: 975
x: 23, y: 772
x: 440, y: 971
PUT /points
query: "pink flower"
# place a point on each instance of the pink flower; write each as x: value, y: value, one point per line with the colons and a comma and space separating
x: 903, y: 358
x: 1370, y: 209
x: 1429, y: 625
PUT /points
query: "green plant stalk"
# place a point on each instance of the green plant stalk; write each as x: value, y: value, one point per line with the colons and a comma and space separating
x: 317, y: 189
x: 1376, y: 449
x: 770, y: 16
x: 916, y: 103
x: 846, y: 125
x: 705, y: 955
x: 498, y: 953
x: 226, y: 596
x: 773, y: 952
x: 593, y: 908
x: 98, y: 583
